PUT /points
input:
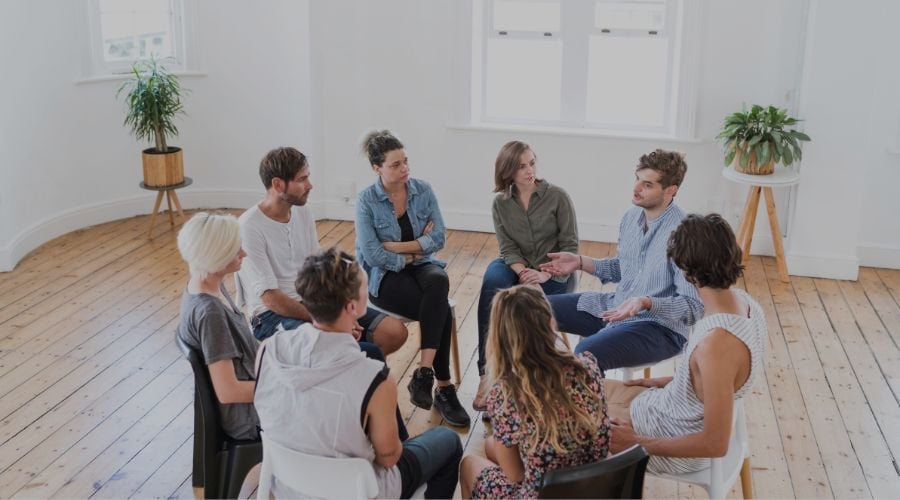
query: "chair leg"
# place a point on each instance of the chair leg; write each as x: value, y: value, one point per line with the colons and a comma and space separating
x: 454, y: 346
x: 746, y: 479
x: 197, y: 472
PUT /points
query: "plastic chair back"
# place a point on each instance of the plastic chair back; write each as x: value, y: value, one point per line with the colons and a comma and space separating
x: 618, y: 476
x: 220, y: 462
x: 314, y: 476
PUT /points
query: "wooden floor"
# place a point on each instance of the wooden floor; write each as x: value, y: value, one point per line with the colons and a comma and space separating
x: 96, y: 401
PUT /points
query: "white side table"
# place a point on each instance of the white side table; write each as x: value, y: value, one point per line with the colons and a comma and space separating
x: 783, y: 177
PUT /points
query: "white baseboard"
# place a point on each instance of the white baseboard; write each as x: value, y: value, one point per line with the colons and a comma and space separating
x: 823, y: 266
x: 872, y: 255
x: 59, y: 224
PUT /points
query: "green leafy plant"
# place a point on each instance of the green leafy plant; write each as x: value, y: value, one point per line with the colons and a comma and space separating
x: 153, y: 100
x: 761, y: 133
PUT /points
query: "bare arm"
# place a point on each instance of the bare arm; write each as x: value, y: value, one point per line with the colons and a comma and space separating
x: 508, y: 459
x: 718, y: 363
x: 278, y: 302
x: 381, y: 424
x: 226, y: 385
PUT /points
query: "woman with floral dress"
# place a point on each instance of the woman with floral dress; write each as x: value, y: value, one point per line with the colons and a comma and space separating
x: 546, y: 405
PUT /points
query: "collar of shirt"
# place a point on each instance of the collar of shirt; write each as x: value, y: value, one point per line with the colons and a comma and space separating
x: 383, y: 195
x: 543, y: 186
x: 667, y: 214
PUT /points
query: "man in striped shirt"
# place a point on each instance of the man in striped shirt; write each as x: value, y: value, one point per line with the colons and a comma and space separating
x: 648, y: 317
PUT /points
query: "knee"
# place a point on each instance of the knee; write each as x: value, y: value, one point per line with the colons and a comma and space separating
x: 491, y: 283
x: 449, y: 440
x: 438, y: 282
x: 390, y: 335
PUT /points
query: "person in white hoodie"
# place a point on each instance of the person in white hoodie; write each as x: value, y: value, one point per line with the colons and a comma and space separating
x: 317, y: 393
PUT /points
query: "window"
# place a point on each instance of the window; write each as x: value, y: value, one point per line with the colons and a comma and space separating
x: 611, y: 65
x: 124, y: 31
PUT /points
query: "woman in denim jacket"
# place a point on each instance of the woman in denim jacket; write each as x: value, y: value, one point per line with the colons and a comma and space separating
x: 398, y: 229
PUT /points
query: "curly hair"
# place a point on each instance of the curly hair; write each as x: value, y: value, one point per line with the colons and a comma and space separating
x: 670, y: 166
x: 704, y: 247
x: 327, y: 281
x: 378, y: 144
x: 529, y: 361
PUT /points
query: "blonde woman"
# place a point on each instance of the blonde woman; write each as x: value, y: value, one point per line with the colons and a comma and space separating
x: 210, y: 322
x: 546, y: 405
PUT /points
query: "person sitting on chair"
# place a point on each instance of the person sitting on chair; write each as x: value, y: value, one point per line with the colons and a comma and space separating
x: 531, y: 219
x: 685, y: 420
x: 647, y: 318
x: 278, y: 233
x: 546, y: 405
x: 211, y: 324
x: 318, y: 394
x: 399, y: 227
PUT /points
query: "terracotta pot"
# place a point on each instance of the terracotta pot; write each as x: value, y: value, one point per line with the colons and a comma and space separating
x: 752, y: 168
x: 163, y: 169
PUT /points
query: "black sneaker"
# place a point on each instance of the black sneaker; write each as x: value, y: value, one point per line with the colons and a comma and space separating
x: 447, y: 404
x: 420, y: 387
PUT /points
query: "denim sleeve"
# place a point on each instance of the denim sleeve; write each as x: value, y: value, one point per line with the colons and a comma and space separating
x: 685, y: 306
x: 433, y: 241
x: 368, y: 242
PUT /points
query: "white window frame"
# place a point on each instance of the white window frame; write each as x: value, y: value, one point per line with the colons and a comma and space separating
x: 683, y: 21
x: 182, y: 14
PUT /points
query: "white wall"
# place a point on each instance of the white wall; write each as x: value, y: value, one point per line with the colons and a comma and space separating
x: 847, y: 203
x: 319, y: 75
x: 401, y: 65
x: 69, y: 163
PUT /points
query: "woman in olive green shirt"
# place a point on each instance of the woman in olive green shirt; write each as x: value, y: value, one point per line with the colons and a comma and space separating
x: 531, y: 218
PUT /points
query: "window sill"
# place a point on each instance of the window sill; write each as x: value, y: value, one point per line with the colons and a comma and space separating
x: 612, y: 134
x: 126, y: 76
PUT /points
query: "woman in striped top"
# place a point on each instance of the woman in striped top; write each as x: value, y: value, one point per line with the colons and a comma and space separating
x: 685, y: 420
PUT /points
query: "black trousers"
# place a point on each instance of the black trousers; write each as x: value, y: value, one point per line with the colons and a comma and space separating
x: 420, y: 292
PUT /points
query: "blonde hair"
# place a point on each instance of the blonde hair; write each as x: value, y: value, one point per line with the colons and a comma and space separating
x: 208, y: 242
x: 532, y: 366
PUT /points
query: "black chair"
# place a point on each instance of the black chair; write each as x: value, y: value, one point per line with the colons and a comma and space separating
x: 618, y: 476
x: 220, y: 462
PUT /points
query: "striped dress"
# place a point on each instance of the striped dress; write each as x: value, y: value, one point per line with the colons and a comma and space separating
x: 675, y: 410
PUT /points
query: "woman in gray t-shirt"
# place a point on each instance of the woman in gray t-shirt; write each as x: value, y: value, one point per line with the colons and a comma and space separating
x: 213, y: 325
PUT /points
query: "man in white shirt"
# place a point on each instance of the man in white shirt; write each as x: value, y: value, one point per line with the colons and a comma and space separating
x: 278, y: 234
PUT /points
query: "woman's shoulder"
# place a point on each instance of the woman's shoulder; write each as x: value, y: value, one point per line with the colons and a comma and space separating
x: 554, y: 189
x: 420, y: 185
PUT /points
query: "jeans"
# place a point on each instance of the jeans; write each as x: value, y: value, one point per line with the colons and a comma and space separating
x: 266, y: 324
x: 420, y: 292
x: 431, y: 457
x: 632, y: 343
x: 499, y: 276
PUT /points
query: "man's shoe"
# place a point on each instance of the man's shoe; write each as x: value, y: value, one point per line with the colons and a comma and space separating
x: 447, y: 404
x: 420, y: 387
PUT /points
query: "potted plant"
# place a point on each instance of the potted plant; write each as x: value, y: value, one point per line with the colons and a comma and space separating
x: 757, y: 139
x: 153, y: 100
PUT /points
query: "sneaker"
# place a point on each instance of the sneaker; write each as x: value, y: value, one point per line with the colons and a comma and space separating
x: 448, y: 405
x: 420, y: 387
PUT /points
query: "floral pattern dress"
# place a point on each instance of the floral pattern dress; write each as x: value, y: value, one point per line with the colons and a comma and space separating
x: 510, y: 430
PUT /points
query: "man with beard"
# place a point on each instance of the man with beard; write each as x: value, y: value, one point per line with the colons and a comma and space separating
x: 648, y: 317
x: 278, y: 234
